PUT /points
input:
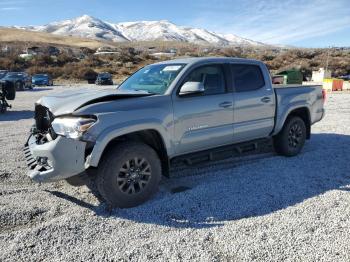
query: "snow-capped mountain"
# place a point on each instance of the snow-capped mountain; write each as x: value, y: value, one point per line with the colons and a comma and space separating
x: 84, y: 26
x: 90, y: 27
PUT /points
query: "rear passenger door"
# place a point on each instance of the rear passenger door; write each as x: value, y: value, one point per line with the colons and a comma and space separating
x: 205, y: 120
x: 254, y: 103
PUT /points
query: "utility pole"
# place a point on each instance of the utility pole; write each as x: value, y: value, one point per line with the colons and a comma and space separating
x: 327, y: 60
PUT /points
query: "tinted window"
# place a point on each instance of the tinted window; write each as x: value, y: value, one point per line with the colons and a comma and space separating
x: 247, y: 77
x: 211, y: 76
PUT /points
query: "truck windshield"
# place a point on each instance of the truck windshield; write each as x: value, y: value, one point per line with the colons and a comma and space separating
x: 153, y: 79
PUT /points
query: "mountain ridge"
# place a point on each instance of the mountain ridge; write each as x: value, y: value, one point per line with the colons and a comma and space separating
x: 163, y: 30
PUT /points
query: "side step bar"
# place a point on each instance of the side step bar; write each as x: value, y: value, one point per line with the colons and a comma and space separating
x: 220, y: 153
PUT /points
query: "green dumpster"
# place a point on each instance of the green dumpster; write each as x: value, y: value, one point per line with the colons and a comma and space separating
x: 288, y: 77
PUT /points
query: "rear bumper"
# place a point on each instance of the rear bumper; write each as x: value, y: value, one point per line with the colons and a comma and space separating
x: 320, y: 115
x: 54, y: 160
x: 323, y: 113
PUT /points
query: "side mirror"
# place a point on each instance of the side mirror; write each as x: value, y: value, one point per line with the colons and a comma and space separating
x: 190, y: 88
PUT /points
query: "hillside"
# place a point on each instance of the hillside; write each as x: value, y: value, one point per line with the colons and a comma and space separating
x: 18, y: 35
x: 94, y: 28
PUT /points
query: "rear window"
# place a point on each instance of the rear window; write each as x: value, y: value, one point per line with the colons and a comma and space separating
x: 247, y: 77
x: 104, y: 75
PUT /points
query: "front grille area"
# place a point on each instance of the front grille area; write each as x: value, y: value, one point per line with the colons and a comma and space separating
x: 31, y: 161
x: 34, y: 164
x: 43, y: 118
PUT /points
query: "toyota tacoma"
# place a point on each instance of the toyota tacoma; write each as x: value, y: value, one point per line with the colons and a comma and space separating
x: 189, y: 109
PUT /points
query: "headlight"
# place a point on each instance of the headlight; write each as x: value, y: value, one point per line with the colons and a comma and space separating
x: 72, y: 127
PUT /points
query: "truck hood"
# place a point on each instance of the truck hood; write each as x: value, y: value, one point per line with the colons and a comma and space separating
x: 69, y: 101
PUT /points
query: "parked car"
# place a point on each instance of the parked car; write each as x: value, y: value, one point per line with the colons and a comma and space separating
x: 3, y: 73
x: 104, y: 79
x: 21, y: 80
x: 42, y: 80
x: 190, y: 110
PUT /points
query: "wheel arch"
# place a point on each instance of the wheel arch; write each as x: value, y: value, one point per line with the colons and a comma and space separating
x: 150, y: 137
x: 304, y: 113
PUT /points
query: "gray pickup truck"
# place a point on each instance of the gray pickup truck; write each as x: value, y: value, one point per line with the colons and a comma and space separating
x: 186, y: 109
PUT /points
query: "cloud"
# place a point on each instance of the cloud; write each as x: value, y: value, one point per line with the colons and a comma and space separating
x: 274, y: 21
x: 10, y: 8
x: 12, y: 5
x: 13, y: 2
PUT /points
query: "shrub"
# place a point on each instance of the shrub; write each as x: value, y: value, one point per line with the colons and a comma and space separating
x: 86, y: 74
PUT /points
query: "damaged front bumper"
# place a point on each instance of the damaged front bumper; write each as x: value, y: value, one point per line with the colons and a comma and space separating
x: 54, y: 160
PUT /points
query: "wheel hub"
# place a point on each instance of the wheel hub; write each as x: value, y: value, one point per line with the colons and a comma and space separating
x: 294, y: 136
x: 134, y: 175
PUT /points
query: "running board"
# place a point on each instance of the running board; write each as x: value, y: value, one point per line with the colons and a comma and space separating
x: 220, y: 153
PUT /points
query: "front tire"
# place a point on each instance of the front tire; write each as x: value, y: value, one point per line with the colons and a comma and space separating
x: 291, y: 139
x: 129, y: 175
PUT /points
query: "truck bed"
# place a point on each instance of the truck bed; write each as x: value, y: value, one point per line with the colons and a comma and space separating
x: 289, y: 97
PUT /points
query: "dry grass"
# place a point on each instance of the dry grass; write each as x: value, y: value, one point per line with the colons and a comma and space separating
x: 18, y: 35
x: 13, y: 35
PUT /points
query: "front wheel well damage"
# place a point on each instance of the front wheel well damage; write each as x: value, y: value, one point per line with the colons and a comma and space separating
x: 149, y: 137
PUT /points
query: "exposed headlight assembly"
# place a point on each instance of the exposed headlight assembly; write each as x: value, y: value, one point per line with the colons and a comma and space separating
x: 72, y: 127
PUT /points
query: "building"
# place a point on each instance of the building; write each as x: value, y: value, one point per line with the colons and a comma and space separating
x: 320, y: 74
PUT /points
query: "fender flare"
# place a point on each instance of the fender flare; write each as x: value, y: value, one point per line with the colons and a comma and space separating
x: 281, y: 118
x: 115, y: 131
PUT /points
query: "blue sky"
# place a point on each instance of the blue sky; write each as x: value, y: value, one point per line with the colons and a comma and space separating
x: 308, y: 23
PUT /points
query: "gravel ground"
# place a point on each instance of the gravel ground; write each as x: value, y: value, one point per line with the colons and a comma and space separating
x: 261, y: 207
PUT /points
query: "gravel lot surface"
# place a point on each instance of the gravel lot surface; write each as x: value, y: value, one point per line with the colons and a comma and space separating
x: 261, y: 207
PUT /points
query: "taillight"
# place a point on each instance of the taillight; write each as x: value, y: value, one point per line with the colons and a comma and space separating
x: 324, y: 95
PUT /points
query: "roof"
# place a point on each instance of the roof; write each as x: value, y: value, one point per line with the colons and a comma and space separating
x: 195, y: 60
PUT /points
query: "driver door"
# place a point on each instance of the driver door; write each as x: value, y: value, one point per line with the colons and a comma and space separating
x: 204, y: 120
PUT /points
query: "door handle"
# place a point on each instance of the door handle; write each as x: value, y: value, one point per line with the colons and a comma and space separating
x: 265, y: 99
x: 225, y: 104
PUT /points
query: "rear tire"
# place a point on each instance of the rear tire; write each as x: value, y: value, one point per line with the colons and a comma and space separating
x: 291, y: 139
x: 129, y: 175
